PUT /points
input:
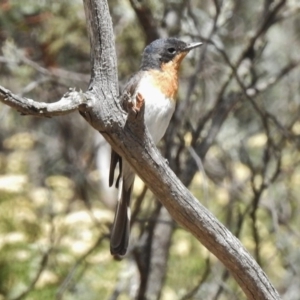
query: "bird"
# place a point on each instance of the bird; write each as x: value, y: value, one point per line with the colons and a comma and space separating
x: 156, y: 85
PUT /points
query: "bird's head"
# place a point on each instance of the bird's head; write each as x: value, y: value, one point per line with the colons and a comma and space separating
x: 166, y: 52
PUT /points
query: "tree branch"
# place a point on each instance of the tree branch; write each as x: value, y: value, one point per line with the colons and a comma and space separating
x: 138, y: 149
x: 70, y: 102
x: 145, y: 17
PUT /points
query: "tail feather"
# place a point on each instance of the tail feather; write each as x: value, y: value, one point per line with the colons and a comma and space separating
x: 115, y: 158
x: 121, y: 227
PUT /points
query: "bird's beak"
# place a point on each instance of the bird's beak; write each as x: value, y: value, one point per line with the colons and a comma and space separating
x: 192, y: 46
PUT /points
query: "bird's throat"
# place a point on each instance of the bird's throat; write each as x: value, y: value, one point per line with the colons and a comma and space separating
x: 168, y: 76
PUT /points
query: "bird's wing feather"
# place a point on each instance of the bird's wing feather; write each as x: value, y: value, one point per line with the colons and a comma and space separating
x: 129, y: 92
x: 127, y: 95
x: 115, y: 158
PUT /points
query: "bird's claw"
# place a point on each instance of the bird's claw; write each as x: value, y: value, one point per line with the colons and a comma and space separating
x: 135, y: 105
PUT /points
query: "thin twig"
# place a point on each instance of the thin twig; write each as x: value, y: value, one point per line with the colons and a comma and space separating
x: 65, y: 284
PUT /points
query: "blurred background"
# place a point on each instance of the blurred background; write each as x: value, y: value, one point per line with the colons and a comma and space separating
x: 234, y: 141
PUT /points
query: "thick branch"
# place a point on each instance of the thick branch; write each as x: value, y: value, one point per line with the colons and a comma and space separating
x: 188, y: 212
x: 138, y: 149
x: 70, y: 102
x: 103, y: 54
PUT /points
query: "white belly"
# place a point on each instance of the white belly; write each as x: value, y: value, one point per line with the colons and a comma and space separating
x: 158, y: 110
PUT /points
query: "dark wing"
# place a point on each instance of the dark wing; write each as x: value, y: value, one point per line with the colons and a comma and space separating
x: 126, y: 96
x: 115, y: 158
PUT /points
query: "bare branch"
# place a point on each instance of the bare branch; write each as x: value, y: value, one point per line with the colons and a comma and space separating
x: 65, y: 284
x: 191, y: 294
x: 41, y: 268
x: 263, y: 86
x: 53, y: 72
x: 146, y: 19
x: 70, y: 102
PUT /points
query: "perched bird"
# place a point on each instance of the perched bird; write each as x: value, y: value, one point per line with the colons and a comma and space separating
x: 156, y: 83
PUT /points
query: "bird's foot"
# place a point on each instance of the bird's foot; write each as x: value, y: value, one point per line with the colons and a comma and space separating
x: 136, y: 105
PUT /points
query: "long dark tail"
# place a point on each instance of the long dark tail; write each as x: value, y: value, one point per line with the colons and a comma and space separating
x: 121, y: 227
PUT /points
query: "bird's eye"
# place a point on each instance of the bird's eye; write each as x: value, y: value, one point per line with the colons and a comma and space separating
x: 171, y: 50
